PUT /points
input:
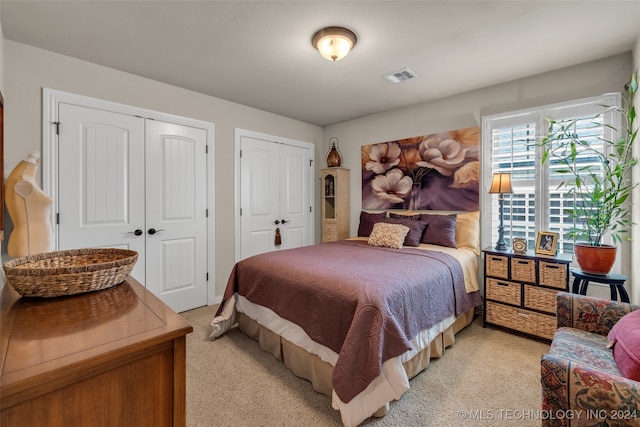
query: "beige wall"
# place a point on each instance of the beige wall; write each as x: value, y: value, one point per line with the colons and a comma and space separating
x: 635, y: 236
x: 1, y: 91
x: 28, y: 70
x: 467, y: 110
x: 1, y: 55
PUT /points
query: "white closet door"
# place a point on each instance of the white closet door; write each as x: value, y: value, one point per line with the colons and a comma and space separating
x: 274, y: 194
x: 101, y: 181
x: 176, y: 214
x: 295, y: 174
x: 125, y: 183
x: 259, y: 195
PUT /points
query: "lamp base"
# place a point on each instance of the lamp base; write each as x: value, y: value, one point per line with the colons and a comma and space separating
x: 501, y: 244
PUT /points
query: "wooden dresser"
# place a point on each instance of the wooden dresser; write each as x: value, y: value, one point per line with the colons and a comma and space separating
x: 115, y: 357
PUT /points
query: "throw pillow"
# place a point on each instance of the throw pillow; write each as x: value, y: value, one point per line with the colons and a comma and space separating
x: 388, y: 235
x: 405, y: 215
x: 366, y: 222
x: 441, y: 230
x: 416, y: 229
x: 625, y: 336
x: 468, y: 231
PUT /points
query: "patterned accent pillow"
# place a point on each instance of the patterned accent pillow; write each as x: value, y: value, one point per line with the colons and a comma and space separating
x: 625, y: 336
x: 441, y: 230
x: 367, y: 220
x: 388, y: 235
x: 416, y: 229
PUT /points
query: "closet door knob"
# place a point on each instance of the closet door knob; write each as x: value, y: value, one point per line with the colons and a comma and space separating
x: 276, y: 222
x: 138, y: 232
x: 284, y: 221
x: 153, y: 231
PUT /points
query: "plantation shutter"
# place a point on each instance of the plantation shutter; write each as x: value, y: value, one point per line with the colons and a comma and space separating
x: 513, y: 150
x: 539, y: 202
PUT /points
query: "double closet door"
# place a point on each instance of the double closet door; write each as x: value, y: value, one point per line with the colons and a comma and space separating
x: 129, y: 182
x: 275, y: 195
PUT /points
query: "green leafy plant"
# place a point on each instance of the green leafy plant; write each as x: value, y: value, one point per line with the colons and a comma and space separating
x: 602, y: 195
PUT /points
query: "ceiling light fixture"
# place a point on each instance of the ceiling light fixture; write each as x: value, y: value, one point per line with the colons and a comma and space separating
x: 334, y: 43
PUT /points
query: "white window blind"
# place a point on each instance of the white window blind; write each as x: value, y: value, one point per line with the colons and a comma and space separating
x: 514, y: 151
x: 511, y: 143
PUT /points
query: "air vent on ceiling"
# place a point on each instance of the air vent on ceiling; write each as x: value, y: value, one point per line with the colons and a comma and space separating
x: 400, y: 75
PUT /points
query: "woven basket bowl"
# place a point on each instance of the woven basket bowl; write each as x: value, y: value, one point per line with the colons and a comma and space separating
x: 52, y: 274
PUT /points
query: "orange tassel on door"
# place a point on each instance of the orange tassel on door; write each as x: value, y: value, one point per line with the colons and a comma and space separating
x: 278, y: 237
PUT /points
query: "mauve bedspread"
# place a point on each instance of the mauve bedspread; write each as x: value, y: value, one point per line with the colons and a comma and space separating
x: 364, y: 302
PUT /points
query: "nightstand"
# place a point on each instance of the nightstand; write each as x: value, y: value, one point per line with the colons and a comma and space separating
x: 520, y: 290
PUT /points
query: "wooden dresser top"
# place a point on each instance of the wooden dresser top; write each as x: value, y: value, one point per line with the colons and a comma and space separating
x: 42, y: 335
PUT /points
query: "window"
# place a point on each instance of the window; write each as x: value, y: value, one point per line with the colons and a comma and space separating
x: 511, y: 143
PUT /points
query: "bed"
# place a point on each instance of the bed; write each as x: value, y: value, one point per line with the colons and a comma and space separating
x: 359, y: 317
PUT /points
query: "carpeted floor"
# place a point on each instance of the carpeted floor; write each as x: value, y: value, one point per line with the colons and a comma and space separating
x: 489, y: 377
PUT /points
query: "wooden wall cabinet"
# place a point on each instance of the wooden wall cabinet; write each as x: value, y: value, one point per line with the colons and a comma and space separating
x: 335, y: 204
x: 520, y: 290
x: 115, y: 357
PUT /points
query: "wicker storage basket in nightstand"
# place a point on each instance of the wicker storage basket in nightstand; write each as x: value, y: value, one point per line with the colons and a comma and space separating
x: 520, y: 291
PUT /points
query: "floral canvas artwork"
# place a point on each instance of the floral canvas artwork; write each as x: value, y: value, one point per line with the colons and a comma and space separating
x: 431, y: 172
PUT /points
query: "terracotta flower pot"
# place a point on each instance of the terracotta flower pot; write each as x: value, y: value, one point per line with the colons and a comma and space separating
x: 595, y: 259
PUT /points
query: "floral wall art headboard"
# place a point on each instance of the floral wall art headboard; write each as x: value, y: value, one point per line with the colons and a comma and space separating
x: 440, y: 171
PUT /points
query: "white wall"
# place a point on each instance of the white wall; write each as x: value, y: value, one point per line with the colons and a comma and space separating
x: 28, y: 70
x: 467, y: 109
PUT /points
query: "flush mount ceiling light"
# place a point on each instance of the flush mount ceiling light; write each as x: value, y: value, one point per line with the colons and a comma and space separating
x: 334, y: 43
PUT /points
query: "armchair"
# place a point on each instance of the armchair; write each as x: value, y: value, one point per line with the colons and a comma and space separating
x: 581, y: 383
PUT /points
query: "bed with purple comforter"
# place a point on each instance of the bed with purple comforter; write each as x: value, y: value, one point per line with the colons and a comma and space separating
x: 364, y: 306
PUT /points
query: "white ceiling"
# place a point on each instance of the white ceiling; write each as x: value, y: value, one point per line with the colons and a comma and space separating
x: 259, y: 53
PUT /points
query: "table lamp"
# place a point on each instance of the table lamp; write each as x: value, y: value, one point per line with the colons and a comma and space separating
x: 501, y: 184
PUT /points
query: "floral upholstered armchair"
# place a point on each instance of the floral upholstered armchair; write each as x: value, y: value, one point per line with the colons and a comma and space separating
x: 583, y: 384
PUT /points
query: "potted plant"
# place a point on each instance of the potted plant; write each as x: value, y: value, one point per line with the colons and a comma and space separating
x: 602, y: 194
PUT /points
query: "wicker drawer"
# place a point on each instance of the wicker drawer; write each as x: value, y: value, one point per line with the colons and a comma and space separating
x: 497, y: 266
x: 553, y: 274
x: 521, y: 320
x: 503, y: 291
x: 540, y: 299
x: 523, y: 270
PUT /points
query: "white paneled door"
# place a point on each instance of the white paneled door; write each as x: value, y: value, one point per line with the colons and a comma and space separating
x: 176, y: 214
x: 274, y: 196
x: 101, y: 181
x: 129, y: 182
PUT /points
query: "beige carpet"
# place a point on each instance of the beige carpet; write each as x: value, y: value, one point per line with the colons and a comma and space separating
x: 489, y: 377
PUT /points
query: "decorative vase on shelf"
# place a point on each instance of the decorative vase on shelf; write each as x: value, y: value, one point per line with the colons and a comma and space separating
x: 333, y: 158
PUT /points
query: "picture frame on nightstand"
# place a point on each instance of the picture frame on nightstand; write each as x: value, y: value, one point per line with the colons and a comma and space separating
x: 546, y: 243
x: 519, y: 245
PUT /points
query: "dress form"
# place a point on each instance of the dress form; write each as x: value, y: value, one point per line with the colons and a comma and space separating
x: 29, y: 208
